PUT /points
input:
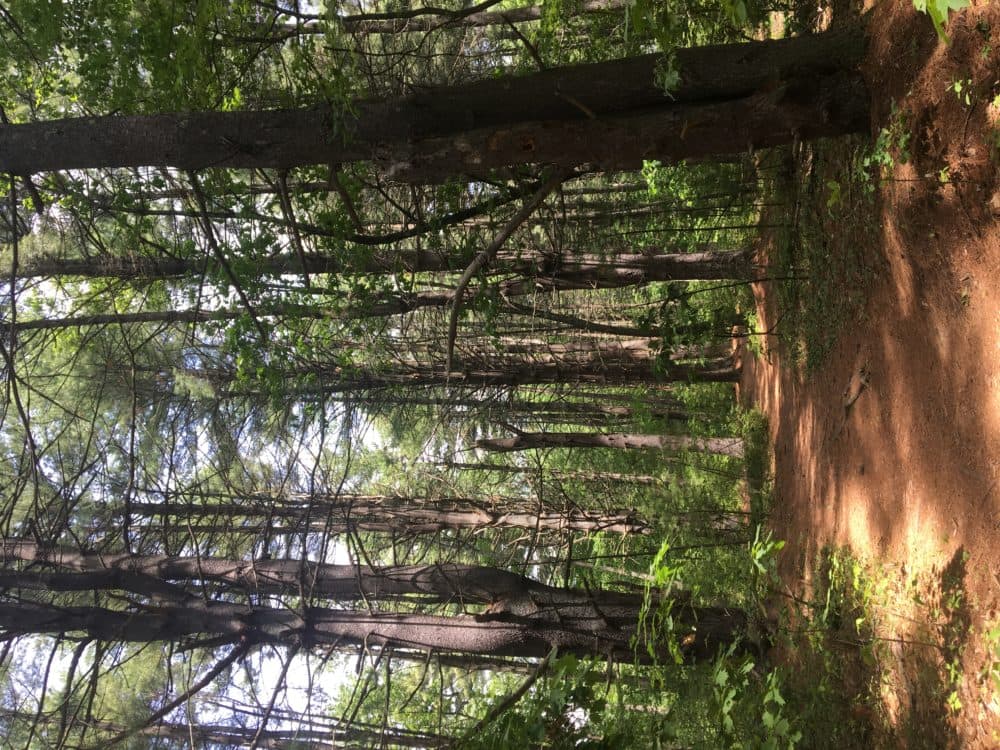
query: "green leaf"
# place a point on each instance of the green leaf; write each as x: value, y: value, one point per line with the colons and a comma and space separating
x: 938, y: 11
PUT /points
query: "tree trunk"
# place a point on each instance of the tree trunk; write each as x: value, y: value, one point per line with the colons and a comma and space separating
x: 815, y: 108
x: 441, y: 583
x: 335, y: 738
x: 604, y: 363
x: 383, y: 306
x: 541, y: 273
x: 575, y: 476
x: 428, y: 20
x: 548, y: 410
x: 284, y: 739
x: 587, y: 272
x: 609, y: 115
x: 727, y: 446
x: 620, y: 270
x: 526, y: 623
x: 386, y: 513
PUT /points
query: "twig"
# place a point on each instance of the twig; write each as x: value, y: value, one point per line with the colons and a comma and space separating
x: 507, y: 703
x: 532, y: 50
x: 199, y: 195
x: 214, y: 672
x: 487, y: 255
x: 352, y: 212
x: 259, y: 734
x: 286, y: 208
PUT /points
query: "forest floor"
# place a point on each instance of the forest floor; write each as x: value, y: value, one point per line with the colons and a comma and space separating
x: 881, y: 383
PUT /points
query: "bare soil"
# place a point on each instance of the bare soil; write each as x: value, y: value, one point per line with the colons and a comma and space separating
x: 890, y: 447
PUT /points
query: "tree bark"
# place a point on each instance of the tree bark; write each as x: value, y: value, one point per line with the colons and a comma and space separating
x: 405, y: 514
x: 335, y: 738
x: 631, y: 269
x: 727, y: 446
x: 390, y: 23
x: 602, y: 362
x: 541, y: 273
x: 611, y: 115
x: 442, y: 583
x: 527, y: 623
x: 575, y: 476
x: 817, y: 108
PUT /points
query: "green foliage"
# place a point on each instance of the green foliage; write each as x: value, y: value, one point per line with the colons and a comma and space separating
x: 656, y: 621
x: 825, y: 260
x: 990, y: 672
x: 938, y: 11
x: 750, y: 716
x: 572, y: 706
x: 752, y: 426
x: 778, y: 728
x: 892, y: 146
x: 962, y: 87
x: 763, y: 548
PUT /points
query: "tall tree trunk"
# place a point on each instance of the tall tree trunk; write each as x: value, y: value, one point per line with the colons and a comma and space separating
x: 555, y: 409
x: 604, y: 363
x: 389, y: 513
x: 541, y: 273
x: 583, y: 273
x: 717, y: 108
x: 725, y: 446
x: 440, y: 583
x: 347, y: 737
x: 813, y: 108
x: 575, y: 476
x: 620, y: 270
x: 526, y: 621
x: 383, y: 306
x: 330, y: 734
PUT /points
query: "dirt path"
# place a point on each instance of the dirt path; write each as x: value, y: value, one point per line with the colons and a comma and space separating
x: 891, y: 447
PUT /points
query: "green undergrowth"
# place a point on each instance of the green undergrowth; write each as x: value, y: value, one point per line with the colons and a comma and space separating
x: 834, y: 660
x: 752, y: 426
x: 876, y: 657
x: 827, y: 259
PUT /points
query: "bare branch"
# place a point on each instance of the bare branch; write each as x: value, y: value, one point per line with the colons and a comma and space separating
x: 486, y: 256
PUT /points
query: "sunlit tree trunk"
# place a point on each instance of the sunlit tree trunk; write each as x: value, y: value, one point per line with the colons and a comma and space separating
x: 723, y: 446
x: 574, y: 476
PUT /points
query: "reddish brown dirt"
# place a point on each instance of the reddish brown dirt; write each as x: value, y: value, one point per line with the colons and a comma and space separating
x: 908, y: 477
